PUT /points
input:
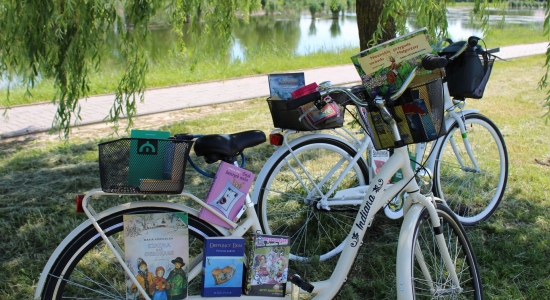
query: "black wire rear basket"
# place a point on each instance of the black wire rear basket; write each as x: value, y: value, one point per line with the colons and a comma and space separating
x: 143, y: 166
x: 419, y: 114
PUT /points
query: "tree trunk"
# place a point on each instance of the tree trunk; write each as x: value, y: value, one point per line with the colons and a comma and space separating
x: 368, y: 12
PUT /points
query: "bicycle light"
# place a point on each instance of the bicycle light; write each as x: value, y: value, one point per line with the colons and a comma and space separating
x: 79, y: 198
x: 276, y: 139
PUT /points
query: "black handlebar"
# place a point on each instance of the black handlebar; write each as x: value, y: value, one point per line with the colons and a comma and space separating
x: 304, y: 285
x: 432, y: 62
x: 292, y: 104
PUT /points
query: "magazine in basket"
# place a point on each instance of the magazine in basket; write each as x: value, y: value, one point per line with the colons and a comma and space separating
x: 156, y: 251
x: 222, y: 265
x: 227, y: 193
x: 281, y: 85
x: 384, y: 67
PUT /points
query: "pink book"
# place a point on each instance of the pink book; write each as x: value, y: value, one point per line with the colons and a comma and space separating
x: 227, y: 193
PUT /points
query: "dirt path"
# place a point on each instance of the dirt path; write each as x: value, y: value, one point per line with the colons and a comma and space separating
x: 94, y: 131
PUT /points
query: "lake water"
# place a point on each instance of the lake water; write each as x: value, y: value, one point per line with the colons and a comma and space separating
x: 303, y: 35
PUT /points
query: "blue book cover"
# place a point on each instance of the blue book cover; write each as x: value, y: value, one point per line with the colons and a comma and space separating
x: 222, y: 267
x: 283, y: 84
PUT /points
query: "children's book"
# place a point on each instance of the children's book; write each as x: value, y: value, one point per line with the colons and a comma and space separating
x: 222, y: 267
x: 378, y: 159
x: 157, y: 252
x: 281, y: 85
x: 384, y: 67
x: 227, y: 193
x: 268, y: 265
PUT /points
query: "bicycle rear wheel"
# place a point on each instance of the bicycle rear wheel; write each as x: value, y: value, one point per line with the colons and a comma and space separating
x: 87, y: 269
x: 287, y: 202
x: 426, y: 259
x: 472, y: 193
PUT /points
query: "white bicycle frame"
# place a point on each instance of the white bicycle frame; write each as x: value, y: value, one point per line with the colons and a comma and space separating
x: 375, y: 199
x: 354, y: 196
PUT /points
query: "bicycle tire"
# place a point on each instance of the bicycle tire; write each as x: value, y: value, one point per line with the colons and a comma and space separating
x: 281, y: 202
x: 77, y: 260
x: 462, y: 255
x: 472, y: 195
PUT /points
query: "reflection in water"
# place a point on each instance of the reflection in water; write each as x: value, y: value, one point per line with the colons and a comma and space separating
x: 300, y: 35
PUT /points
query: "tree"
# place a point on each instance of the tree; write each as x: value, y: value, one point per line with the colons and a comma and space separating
x: 62, y: 39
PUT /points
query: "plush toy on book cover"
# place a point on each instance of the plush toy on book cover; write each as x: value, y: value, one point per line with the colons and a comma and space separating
x: 227, y: 193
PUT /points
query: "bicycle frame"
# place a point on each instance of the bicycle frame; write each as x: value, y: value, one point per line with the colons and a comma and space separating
x: 375, y: 199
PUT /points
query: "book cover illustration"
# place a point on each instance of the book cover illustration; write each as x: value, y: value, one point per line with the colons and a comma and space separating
x: 268, y: 265
x: 378, y: 159
x: 384, y: 67
x: 227, y: 193
x: 222, y: 267
x: 157, y: 253
x: 281, y: 85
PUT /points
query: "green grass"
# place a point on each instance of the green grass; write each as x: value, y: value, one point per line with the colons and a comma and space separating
x: 39, y: 181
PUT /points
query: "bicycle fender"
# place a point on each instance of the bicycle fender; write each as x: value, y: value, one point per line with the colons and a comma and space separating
x: 267, y: 166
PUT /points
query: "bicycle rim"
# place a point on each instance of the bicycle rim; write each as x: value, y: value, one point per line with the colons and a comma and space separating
x: 287, y: 200
x: 87, y: 269
x: 427, y: 258
x: 473, y: 194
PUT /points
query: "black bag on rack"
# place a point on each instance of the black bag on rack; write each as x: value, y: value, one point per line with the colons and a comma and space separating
x: 467, y: 75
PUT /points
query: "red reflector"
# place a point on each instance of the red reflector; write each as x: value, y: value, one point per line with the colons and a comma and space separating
x: 276, y: 139
x: 79, y: 199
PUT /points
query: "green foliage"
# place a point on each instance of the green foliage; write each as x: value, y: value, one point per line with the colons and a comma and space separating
x: 62, y: 40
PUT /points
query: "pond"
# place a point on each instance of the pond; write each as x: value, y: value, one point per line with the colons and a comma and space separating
x: 301, y: 35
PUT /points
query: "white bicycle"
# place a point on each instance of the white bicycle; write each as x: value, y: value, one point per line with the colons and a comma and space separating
x: 434, y: 255
x: 302, y: 180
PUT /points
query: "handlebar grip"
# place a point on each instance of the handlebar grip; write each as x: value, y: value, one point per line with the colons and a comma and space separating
x: 304, y: 285
x: 292, y: 104
x: 472, y: 41
x: 432, y: 62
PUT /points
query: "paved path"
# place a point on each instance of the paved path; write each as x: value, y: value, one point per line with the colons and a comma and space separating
x: 28, y: 119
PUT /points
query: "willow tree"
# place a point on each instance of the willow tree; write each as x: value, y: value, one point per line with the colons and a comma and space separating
x: 62, y: 39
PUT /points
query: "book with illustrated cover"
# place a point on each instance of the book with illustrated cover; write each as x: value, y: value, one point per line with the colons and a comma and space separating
x: 268, y: 265
x: 378, y: 159
x: 227, y: 193
x: 384, y: 67
x: 281, y: 85
x: 157, y: 252
x: 222, y: 267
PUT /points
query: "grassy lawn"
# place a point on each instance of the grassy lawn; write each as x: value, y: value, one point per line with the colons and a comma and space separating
x: 40, y: 178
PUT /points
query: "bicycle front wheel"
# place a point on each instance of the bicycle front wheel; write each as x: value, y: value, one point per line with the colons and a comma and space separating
x: 472, y: 191
x: 296, y: 184
x: 430, y: 277
x: 87, y: 269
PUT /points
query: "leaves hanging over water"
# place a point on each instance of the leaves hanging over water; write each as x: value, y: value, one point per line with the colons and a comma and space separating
x: 63, y: 39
